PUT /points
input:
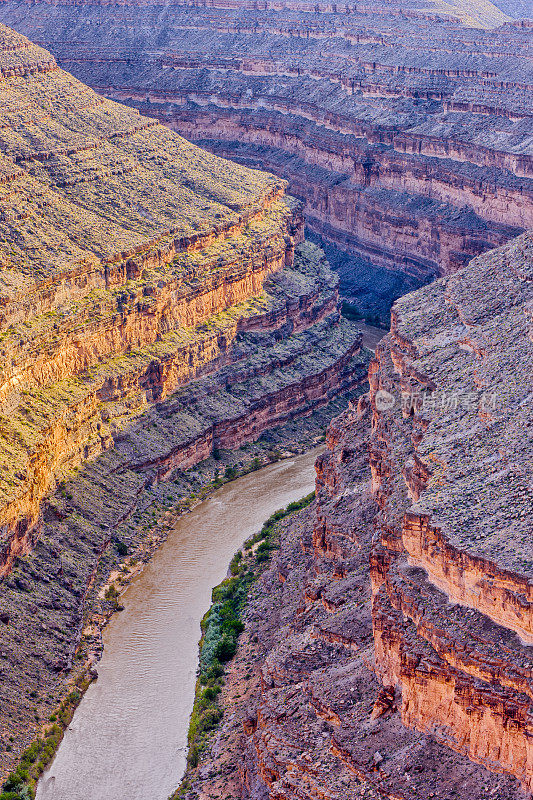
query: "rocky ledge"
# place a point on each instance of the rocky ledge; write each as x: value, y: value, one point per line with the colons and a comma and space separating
x: 388, y: 649
x: 406, y: 131
x: 158, y: 305
x: 452, y: 576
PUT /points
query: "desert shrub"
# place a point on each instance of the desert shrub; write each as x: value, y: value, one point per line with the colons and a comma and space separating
x: 210, y: 718
x: 230, y: 473
x: 235, y: 565
x: 121, y: 548
x: 225, y: 590
x: 193, y: 756
x: 232, y: 627
x: 111, y: 592
x: 226, y: 649
x: 210, y: 693
x: 216, y: 670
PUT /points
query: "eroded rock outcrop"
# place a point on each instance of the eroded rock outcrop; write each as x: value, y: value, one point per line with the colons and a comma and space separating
x: 405, y: 133
x: 388, y: 649
x: 454, y: 571
x: 157, y: 305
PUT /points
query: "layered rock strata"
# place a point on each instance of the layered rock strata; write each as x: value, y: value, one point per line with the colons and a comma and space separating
x: 454, y: 569
x: 388, y: 649
x: 158, y: 305
x: 406, y: 134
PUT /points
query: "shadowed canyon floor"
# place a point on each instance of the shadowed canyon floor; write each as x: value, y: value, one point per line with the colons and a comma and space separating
x: 388, y: 649
x: 406, y: 133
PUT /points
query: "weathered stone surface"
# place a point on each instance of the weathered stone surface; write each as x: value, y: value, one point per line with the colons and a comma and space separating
x: 388, y: 650
x: 406, y: 134
x: 454, y: 473
x: 154, y: 311
x: 131, y: 261
x: 158, y: 305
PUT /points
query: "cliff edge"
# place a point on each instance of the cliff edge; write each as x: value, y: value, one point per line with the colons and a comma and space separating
x: 388, y: 648
x: 157, y: 305
x: 403, y: 127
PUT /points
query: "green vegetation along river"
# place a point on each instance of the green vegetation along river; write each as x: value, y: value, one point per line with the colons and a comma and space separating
x: 128, y: 737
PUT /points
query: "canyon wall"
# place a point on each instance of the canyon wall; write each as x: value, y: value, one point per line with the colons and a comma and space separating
x: 406, y: 133
x: 454, y: 569
x: 158, y: 305
x: 388, y: 647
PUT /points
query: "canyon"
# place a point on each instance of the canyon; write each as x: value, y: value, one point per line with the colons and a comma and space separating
x: 167, y: 313
x: 405, y: 130
x: 159, y: 307
x: 138, y: 736
x: 387, y: 650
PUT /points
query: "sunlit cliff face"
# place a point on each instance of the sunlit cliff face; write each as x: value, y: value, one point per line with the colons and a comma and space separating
x: 157, y: 304
x: 404, y: 131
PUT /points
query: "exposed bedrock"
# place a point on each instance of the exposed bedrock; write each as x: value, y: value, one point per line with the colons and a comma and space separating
x: 454, y: 571
x: 389, y: 651
x: 158, y: 305
x: 406, y: 134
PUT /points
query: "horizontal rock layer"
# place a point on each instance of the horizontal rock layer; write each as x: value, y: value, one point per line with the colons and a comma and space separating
x: 460, y: 451
x: 274, y: 372
x: 388, y: 650
x: 407, y: 136
x: 131, y: 263
x: 157, y: 305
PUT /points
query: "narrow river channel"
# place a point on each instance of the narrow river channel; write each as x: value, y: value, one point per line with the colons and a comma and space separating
x: 127, y: 740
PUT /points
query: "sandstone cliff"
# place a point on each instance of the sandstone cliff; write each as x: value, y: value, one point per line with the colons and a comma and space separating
x: 406, y: 134
x: 453, y: 471
x: 157, y: 305
x: 388, y: 649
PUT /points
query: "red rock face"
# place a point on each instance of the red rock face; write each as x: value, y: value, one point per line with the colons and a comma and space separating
x: 158, y: 306
x: 404, y: 132
x: 132, y: 265
x: 392, y: 633
x: 385, y: 203
x: 454, y: 571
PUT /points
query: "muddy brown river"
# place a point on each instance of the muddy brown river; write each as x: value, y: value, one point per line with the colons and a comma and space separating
x: 371, y: 335
x: 127, y: 740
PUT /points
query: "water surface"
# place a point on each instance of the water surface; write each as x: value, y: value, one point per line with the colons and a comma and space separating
x: 127, y: 740
x: 371, y: 335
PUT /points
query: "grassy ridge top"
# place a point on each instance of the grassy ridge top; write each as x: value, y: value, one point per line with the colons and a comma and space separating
x: 85, y: 180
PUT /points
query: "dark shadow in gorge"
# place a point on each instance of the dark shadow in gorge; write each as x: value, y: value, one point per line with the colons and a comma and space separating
x: 367, y: 289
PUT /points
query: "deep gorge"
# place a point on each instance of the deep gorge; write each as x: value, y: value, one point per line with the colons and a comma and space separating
x: 141, y: 702
x: 387, y: 651
x: 169, y: 318
x: 410, y: 157
x: 159, y: 308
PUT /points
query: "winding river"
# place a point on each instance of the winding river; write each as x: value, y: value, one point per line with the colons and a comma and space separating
x: 127, y: 740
